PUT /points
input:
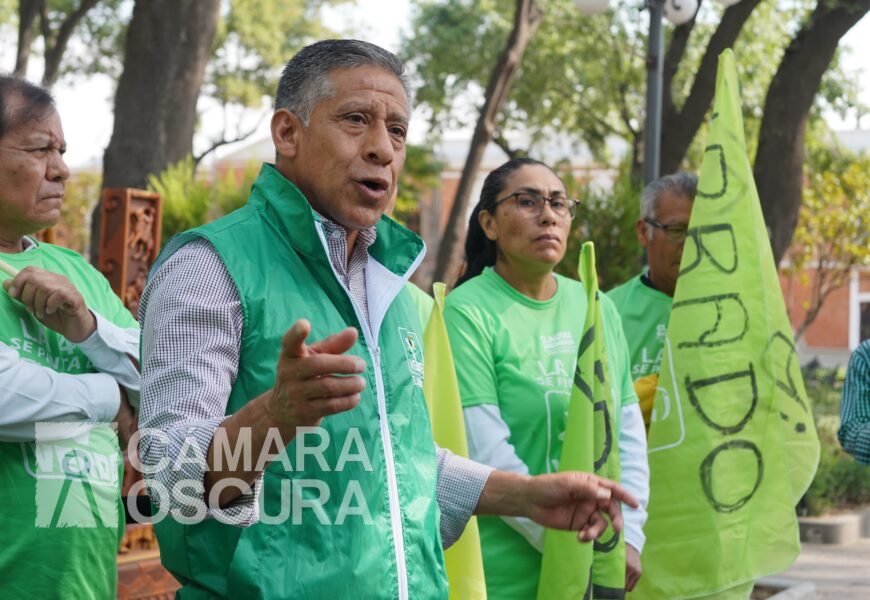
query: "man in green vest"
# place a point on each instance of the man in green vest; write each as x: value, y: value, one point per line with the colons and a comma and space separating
x: 66, y: 348
x: 283, y: 467
x: 644, y: 301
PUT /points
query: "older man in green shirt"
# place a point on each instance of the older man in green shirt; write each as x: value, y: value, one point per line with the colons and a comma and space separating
x: 66, y: 370
x: 644, y: 301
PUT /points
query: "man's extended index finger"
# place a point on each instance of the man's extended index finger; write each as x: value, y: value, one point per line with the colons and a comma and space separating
x: 293, y: 344
x: 337, y: 343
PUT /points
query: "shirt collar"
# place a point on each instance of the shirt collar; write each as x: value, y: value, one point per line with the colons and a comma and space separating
x: 335, y: 232
x: 28, y: 243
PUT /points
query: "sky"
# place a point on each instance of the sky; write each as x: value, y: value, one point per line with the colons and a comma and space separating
x: 85, y: 105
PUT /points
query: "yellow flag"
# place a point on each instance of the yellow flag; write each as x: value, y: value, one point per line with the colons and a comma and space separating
x: 571, y: 570
x: 463, y: 560
x: 732, y: 441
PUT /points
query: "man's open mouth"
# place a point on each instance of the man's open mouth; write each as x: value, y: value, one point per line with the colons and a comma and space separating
x: 375, y: 185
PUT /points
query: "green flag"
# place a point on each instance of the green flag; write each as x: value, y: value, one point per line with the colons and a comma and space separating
x: 732, y: 444
x: 463, y: 560
x: 571, y: 570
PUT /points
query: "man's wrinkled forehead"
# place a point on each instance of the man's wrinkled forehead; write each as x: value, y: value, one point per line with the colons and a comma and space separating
x: 17, y: 111
x: 330, y: 89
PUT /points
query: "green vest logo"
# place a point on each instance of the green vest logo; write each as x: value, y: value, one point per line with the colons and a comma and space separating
x: 414, y: 354
x: 76, y: 467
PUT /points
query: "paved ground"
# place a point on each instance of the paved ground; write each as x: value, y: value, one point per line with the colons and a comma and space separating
x: 840, y: 572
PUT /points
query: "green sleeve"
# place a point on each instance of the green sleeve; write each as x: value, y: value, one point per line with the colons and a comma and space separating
x: 471, y: 342
x: 621, y: 360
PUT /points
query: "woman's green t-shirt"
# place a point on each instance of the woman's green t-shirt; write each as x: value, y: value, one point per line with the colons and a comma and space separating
x: 520, y: 355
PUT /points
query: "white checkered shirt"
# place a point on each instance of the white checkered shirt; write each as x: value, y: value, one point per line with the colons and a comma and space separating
x: 192, y: 322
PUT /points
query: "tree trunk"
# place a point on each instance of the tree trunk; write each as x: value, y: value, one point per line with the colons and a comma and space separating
x: 679, y: 126
x: 27, y: 11
x: 779, y: 161
x: 169, y: 43
x: 527, y: 18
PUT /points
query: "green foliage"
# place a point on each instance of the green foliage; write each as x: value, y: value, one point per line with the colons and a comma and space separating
x: 8, y: 15
x: 840, y: 482
x: 577, y: 74
x: 607, y: 218
x: 97, y: 42
x: 585, y: 76
x: 824, y: 387
x: 833, y: 230
x: 100, y: 36
x: 834, y: 222
x: 189, y: 202
x: 233, y: 188
x: 186, y: 201
x: 420, y: 175
x: 253, y: 41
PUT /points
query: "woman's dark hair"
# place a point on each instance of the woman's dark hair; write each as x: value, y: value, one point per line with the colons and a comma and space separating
x: 480, y: 251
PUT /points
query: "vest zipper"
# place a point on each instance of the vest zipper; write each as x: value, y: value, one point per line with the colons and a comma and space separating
x: 386, y: 440
x: 392, y: 483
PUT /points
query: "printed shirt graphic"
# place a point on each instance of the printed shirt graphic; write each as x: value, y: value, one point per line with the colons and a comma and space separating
x: 520, y: 354
x: 732, y: 445
x: 61, y: 493
x: 645, y: 313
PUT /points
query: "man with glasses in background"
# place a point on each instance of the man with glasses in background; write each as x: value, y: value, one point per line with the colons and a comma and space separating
x: 644, y: 301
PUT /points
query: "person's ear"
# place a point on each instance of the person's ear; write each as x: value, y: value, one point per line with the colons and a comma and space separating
x: 642, y: 230
x: 286, y: 132
x: 487, y: 223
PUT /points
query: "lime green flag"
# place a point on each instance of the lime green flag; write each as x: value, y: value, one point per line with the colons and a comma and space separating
x: 732, y: 444
x: 463, y: 559
x: 571, y: 570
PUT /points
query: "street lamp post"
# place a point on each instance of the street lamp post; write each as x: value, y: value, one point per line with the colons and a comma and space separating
x: 652, y: 131
x: 677, y: 12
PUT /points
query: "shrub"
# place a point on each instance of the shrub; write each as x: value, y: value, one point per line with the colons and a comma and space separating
x: 606, y: 217
x: 186, y: 201
x: 189, y: 202
x: 840, y: 482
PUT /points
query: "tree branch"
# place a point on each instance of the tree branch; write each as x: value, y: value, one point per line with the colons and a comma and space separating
x: 44, y: 24
x: 779, y: 160
x: 680, y: 126
x: 624, y: 114
x: 223, y: 141
x: 54, y: 51
x: 671, y: 62
x: 527, y: 17
x: 502, y: 143
x: 27, y: 12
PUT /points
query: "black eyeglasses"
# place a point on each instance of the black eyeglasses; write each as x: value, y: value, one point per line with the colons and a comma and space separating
x: 531, y: 205
x: 674, y: 233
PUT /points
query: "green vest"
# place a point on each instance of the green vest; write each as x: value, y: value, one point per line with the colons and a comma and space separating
x: 63, y: 523
x: 275, y: 252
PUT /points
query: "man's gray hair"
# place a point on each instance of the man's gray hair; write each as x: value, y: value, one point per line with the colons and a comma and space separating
x: 305, y: 80
x: 680, y: 183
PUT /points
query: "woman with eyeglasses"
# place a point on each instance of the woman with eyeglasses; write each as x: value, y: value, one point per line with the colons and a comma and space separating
x: 515, y: 329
